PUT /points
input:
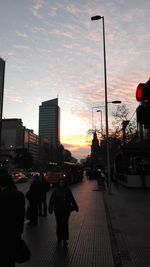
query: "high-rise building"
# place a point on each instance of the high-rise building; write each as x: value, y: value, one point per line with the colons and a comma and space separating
x: 2, y: 75
x: 49, y: 121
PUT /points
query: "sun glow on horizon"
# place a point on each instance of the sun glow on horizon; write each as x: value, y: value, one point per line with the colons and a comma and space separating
x: 75, y: 140
x: 77, y: 145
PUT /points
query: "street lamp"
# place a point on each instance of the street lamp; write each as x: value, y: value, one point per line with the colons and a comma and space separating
x: 92, y: 115
x: 115, y: 102
x: 106, y: 102
x: 112, y: 102
x: 101, y: 120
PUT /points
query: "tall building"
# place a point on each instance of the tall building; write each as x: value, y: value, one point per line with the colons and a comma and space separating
x: 12, y: 138
x: 31, y: 143
x: 2, y: 75
x: 16, y: 137
x: 49, y: 121
x: 12, y: 134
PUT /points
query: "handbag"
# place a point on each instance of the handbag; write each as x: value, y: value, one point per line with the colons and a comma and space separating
x: 28, y: 212
x: 23, y: 252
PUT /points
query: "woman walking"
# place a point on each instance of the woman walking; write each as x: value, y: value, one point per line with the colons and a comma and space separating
x: 62, y: 203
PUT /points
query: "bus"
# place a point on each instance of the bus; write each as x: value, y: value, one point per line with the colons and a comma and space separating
x: 71, y: 172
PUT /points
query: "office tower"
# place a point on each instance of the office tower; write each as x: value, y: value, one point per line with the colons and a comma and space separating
x: 49, y: 121
x: 2, y: 75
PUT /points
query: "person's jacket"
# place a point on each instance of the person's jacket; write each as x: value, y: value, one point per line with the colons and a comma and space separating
x: 34, y: 192
x: 12, y: 214
x: 62, y: 201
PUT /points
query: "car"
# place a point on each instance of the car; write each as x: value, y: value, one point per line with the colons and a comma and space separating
x: 19, y: 177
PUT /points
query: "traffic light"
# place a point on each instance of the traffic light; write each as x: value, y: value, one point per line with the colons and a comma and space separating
x: 143, y: 92
x: 143, y: 115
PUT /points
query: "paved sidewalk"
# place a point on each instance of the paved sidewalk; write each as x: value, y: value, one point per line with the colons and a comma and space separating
x: 129, y: 213
x: 89, y: 244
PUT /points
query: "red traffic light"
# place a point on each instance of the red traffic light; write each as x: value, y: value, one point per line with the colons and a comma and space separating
x: 143, y: 92
x: 140, y: 93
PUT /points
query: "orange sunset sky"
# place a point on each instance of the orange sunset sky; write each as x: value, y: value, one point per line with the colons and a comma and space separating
x: 53, y: 49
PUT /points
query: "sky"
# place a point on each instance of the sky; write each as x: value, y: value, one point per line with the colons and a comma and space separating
x: 53, y: 49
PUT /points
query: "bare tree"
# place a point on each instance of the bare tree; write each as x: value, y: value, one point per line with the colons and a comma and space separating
x: 129, y: 127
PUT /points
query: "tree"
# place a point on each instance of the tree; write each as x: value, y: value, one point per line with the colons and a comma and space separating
x: 128, y: 128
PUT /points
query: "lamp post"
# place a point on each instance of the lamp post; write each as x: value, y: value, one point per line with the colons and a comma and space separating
x: 92, y: 115
x: 112, y: 102
x: 106, y: 102
x: 101, y: 120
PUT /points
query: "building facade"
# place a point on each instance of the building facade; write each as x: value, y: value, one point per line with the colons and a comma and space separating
x: 12, y: 138
x: 12, y: 134
x: 31, y: 143
x: 15, y: 138
x: 49, y: 121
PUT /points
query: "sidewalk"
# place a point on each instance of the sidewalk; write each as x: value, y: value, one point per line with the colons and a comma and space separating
x: 128, y: 211
x: 89, y: 243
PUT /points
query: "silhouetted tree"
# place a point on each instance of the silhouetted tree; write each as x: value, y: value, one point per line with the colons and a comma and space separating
x: 122, y: 115
x: 23, y: 158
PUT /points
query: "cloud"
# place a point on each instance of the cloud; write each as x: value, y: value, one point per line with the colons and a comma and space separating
x: 38, y: 4
x: 74, y: 140
x: 77, y: 145
x: 52, y: 12
x: 20, y: 34
x: 72, y: 9
x: 22, y: 47
x: 12, y: 98
x: 40, y: 30
x: 62, y: 33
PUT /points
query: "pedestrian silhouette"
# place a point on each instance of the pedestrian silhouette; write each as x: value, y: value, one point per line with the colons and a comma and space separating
x: 62, y: 203
x: 12, y: 210
x: 45, y: 187
x: 33, y: 195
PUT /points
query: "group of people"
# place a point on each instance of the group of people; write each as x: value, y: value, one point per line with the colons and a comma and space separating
x: 36, y: 196
x: 12, y: 209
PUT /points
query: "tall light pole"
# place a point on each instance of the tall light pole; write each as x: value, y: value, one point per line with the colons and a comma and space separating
x: 106, y: 102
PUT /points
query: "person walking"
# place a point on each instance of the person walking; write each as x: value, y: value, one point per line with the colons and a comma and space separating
x: 103, y: 180
x: 42, y: 204
x: 34, y: 195
x: 98, y: 178
x: 62, y: 202
x: 12, y: 211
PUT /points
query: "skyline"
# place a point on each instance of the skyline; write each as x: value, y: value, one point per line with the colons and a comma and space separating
x: 53, y: 49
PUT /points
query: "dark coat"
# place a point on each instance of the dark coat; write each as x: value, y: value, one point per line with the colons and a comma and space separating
x: 34, y: 196
x: 34, y: 193
x: 12, y: 213
x: 62, y: 201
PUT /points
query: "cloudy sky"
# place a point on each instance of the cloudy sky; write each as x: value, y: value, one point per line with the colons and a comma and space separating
x: 52, y: 48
